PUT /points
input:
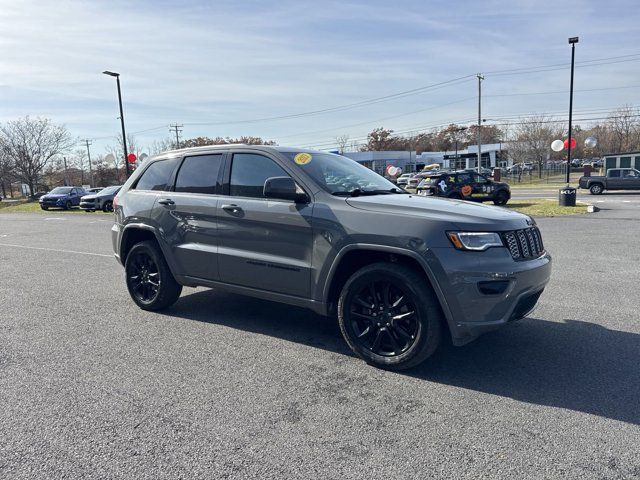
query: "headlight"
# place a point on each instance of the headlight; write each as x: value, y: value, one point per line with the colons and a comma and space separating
x: 477, y: 241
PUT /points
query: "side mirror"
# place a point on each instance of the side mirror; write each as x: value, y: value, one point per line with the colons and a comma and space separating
x: 283, y: 188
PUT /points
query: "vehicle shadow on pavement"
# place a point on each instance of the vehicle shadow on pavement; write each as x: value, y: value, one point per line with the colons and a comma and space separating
x: 572, y: 364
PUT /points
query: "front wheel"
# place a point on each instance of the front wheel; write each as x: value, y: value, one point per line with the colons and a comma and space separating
x: 501, y: 198
x: 596, y: 189
x: 107, y: 207
x: 149, y: 280
x: 67, y: 205
x: 389, y: 316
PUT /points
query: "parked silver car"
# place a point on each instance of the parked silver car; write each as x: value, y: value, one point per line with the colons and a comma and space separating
x: 103, y: 200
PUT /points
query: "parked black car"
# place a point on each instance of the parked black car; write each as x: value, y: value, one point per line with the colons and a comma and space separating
x: 465, y: 186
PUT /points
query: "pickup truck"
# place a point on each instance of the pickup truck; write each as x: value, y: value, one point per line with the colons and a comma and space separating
x: 616, y: 179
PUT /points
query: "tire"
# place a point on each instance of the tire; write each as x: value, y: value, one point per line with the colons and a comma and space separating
x: 68, y: 205
x: 596, y: 189
x: 501, y: 198
x: 44, y: 208
x: 144, y: 264
x: 382, y: 331
x: 107, y: 207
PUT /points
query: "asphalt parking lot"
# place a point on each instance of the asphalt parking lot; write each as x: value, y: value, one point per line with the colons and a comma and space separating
x: 222, y: 386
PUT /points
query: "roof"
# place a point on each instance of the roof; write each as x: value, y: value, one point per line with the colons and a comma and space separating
x: 620, y: 154
x: 206, y: 148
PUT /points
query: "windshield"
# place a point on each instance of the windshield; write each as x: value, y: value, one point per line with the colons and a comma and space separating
x: 341, y: 175
x: 60, y: 190
x: 109, y: 190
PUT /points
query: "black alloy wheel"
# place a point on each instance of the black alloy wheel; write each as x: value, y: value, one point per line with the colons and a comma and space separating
x: 383, y: 318
x: 389, y: 315
x: 143, y: 277
x: 149, y: 279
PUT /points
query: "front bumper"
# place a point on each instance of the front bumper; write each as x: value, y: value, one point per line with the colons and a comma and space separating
x: 473, y: 310
x: 90, y: 206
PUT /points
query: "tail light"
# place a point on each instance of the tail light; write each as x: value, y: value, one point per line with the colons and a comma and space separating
x: 116, y: 202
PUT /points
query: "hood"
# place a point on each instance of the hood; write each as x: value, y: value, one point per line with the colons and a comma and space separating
x: 89, y: 197
x: 55, y: 196
x: 461, y: 214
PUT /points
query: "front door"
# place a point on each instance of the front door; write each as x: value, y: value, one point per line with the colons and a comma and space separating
x: 631, y: 179
x: 187, y: 216
x: 263, y: 243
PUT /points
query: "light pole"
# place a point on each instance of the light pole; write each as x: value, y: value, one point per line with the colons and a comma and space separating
x: 480, y: 78
x: 124, y: 135
x: 572, y: 42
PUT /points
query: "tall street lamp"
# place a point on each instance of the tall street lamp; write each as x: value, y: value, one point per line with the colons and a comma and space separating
x: 572, y: 42
x: 124, y: 136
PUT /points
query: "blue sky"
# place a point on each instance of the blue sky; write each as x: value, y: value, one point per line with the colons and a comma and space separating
x: 223, y: 62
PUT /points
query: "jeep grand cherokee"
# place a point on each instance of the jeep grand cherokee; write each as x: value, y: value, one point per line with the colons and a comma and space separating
x: 321, y: 231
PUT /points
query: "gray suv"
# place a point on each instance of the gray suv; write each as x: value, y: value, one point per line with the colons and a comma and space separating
x: 320, y: 231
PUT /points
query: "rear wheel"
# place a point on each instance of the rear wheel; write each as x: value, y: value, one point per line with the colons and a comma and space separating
x: 67, y: 205
x: 149, y: 280
x: 501, y: 198
x: 389, y: 316
x: 596, y: 189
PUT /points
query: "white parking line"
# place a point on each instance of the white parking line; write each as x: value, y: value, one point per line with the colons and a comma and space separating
x: 44, y: 249
x: 54, y: 218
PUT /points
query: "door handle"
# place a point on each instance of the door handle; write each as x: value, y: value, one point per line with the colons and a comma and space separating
x: 233, y: 209
x: 166, y: 201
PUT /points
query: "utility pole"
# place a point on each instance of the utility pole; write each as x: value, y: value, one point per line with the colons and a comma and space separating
x: 88, y: 142
x: 480, y: 78
x: 177, y: 128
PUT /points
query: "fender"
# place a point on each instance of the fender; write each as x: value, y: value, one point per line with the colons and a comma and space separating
x: 398, y: 251
x: 163, y: 246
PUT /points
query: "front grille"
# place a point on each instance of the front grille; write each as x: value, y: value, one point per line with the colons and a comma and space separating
x: 524, y: 244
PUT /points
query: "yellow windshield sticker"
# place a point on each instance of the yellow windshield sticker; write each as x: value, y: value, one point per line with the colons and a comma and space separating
x: 302, y: 158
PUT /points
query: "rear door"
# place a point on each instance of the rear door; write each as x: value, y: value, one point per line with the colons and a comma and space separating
x: 263, y: 243
x: 614, y: 179
x: 186, y: 214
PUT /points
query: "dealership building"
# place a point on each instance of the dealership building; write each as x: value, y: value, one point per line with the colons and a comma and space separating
x: 493, y: 155
x: 622, y: 160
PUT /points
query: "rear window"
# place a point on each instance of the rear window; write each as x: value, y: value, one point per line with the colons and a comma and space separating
x: 199, y: 174
x: 614, y: 173
x: 157, y: 176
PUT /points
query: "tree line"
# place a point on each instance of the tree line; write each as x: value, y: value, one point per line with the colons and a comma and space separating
x: 41, y: 154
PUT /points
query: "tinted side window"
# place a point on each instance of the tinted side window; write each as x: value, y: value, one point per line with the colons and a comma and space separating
x: 157, y: 176
x: 199, y: 174
x: 249, y: 172
x: 464, y: 178
x: 614, y: 173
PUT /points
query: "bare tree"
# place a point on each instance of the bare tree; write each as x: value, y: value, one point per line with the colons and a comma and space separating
x: 343, y: 142
x: 624, y: 127
x: 159, y: 146
x: 31, y: 144
x: 532, y: 140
